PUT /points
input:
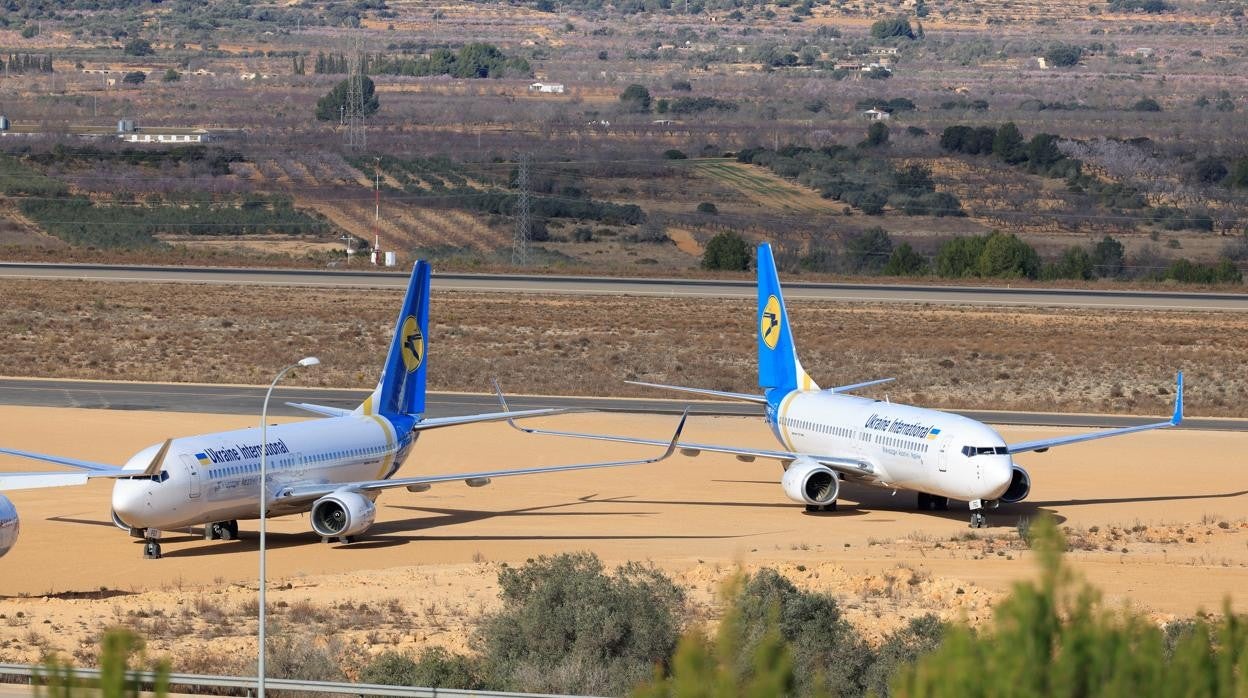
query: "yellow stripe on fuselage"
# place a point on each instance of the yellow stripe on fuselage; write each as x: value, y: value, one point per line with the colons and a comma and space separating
x: 388, y: 460
x: 782, y: 419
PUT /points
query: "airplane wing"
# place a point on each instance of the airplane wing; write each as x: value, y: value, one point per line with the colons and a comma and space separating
x: 315, y: 491
x: 88, y: 470
x: 1041, y: 445
x: 848, y: 466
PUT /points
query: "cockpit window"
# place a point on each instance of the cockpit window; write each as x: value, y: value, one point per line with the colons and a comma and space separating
x: 970, y: 451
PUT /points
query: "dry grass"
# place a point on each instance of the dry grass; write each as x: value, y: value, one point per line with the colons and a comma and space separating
x: 1054, y: 359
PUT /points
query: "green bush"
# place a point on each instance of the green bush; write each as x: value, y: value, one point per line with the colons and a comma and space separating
x: 869, y: 252
x: 905, y: 261
x: 1054, y: 637
x: 118, y: 648
x: 708, y: 207
x: 1063, y: 55
x: 897, y: 27
x: 635, y: 98
x: 567, y: 627
x: 434, y: 668
x: 728, y: 251
x: 332, y: 106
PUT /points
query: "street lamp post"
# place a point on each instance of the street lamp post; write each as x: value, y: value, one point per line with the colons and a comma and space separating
x: 264, y: 501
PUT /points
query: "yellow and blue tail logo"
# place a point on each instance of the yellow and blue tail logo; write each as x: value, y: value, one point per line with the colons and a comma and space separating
x: 401, y: 390
x: 779, y: 371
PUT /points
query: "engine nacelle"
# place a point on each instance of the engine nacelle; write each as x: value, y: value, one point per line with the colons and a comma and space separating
x: 809, y: 482
x: 342, y: 514
x: 9, y: 525
x: 1020, y: 487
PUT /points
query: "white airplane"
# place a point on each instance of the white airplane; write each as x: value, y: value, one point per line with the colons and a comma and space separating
x: 829, y: 436
x: 333, y: 467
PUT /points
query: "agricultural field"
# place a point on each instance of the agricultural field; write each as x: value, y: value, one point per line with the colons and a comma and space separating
x: 654, y: 106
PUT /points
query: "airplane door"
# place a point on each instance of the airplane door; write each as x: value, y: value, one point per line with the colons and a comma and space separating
x: 192, y: 470
x: 942, y: 456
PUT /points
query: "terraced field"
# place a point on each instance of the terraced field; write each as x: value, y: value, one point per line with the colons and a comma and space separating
x: 765, y: 188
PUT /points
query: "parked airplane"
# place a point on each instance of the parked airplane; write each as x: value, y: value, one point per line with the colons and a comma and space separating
x: 830, y: 436
x: 333, y: 467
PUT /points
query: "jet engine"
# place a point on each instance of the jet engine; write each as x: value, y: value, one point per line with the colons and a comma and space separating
x: 1020, y: 487
x: 810, y: 483
x: 9, y: 525
x: 342, y: 514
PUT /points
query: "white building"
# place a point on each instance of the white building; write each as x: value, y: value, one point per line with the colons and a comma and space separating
x: 547, y: 87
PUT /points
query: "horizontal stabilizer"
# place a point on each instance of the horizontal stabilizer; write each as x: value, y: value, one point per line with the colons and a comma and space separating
x: 858, y: 386
x: 320, y: 409
x: 439, y: 422
x: 746, y: 397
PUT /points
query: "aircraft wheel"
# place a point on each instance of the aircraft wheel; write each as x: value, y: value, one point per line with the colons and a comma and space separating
x: 151, y: 550
x: 978, y: 520
x: 940, y: 503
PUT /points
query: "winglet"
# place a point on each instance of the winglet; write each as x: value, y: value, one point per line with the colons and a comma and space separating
x: 671, y: 447
x: 502, y: 403
x: 153, y: 468
x: 1178, y: 401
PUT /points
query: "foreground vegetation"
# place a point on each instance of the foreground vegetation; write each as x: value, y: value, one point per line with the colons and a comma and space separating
x: 568, y: 625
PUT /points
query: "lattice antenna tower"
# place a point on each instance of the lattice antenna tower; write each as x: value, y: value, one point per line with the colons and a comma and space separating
x: 524, y: 221
x: 356, y: 138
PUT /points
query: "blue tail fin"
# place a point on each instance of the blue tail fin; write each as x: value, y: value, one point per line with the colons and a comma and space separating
x: 779, y: 371
x: 401, y: 389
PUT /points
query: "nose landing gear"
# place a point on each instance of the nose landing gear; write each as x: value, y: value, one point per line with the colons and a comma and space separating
x: 151, y: 548
x: 978, y: 519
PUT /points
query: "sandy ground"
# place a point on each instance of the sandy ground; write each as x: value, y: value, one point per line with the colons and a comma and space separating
x: 1159, y: 520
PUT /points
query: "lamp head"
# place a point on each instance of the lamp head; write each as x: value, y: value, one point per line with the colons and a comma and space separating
x: 309, y: 361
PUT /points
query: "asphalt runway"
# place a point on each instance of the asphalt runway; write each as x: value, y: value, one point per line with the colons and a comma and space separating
x: 591, y: 285
x: 236, y: 399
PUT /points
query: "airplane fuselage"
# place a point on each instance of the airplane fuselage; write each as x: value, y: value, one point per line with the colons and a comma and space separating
x: 906, y: 447
x: 216, y: 477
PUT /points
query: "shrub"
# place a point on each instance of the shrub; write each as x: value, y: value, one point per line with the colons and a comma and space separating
x: 727, y: 251
x: 1054, y: 637
x: 902, y: 648
x: 635, y: 98
x: 1008, y: 256
x: 869, y: 251
x: 435, y: 668
x: 905, y: 262
x: 708, y: 207
x: 1063, y: 55
x: 1146, y: 104
x: 674, y: 154
x: 877, y: 134
x: 897, y: 27
x: 568, y: 627
x: 134, y: 77
x: 138, y: 47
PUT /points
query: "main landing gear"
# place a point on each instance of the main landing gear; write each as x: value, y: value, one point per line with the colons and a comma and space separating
x: 815, y: 508
x: 932, y: 502
x: 221, y: 530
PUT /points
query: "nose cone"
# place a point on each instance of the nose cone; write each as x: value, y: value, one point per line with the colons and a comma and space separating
x: 132, y: 502
x: 998, y: 473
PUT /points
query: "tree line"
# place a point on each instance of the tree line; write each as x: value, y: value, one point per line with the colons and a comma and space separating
x: 476, y: 60
x: 27, y: 63
x: 995, y: 255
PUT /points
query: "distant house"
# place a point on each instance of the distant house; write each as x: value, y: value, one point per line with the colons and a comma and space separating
x: 846, y: 65
x: 884, y: 50
x: 1144, y: 52
x: 877, y: 115
x: 547, y: 87
x: 203, y: 73
x: 172, y: 135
